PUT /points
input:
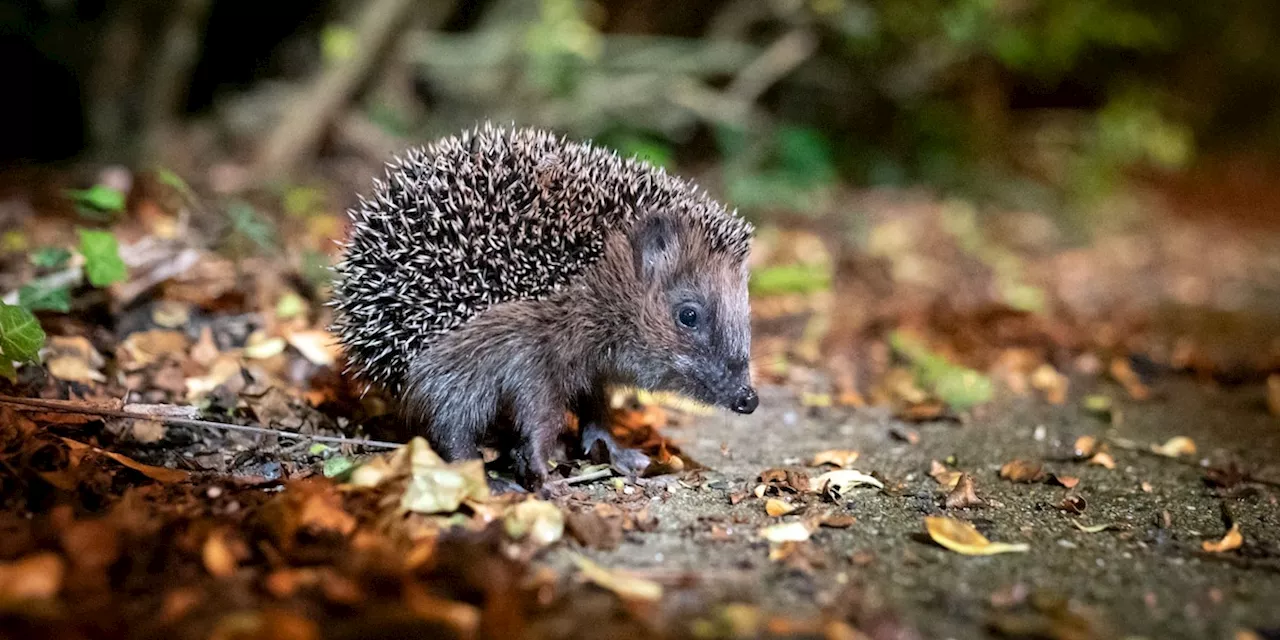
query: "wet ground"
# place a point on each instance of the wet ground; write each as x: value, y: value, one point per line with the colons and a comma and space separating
x: 1148, y: 578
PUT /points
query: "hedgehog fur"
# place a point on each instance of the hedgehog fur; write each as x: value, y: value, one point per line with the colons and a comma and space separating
x: 485, y: 217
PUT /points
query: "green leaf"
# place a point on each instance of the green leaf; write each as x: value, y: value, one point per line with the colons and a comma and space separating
x: 175, y: 182
x: 248, y: 223
x: 790, y: 278
x: 20, y: 334
x: 50, y: 257
x: 960, y: 387
x: 97, y: 199
x: 7, y: 369
x: 102, y: 263
x: 290, y: 305
x: 338, y: 466
x: 37, y: 298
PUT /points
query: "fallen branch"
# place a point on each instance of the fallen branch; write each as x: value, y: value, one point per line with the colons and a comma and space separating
x: 161, y: 415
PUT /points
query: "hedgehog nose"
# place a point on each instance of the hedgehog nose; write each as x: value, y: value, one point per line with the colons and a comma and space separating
x: 747, y: 401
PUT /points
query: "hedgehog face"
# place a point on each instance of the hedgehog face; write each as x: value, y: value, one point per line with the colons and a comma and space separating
x: 695, y: 318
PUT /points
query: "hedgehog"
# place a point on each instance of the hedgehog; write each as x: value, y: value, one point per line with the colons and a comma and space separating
x: 500, y: 278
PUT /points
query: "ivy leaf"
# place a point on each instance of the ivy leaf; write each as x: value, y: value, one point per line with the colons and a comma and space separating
x: 20, y: 334
x: 50, y: 257
x: 7, y: 370
x: 97, y: 200
x: 102, y: 261
x: 36, y: 298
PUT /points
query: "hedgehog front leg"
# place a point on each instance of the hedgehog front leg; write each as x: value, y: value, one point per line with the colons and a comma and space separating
x: 539, y: 420
x: 592, y: 410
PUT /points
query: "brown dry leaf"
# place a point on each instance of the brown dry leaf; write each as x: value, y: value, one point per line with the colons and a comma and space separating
x: 785, y: 480
x: 145, y: 348
x: 1175, y: 447
x: 843, y: 458
x: 786, y: 532
x: 1069, y: 482
x: 322, y: 511
x: 317, y: 345
x: 205, y: 350
x: 159, y: 474
x: 1123, y: 373
x: 775, y: 507
x: 964, y: 495
x: 837, y: 521
x: 73, y: 369
x: 626, y: 586
x: 460, y: 616
x: 437, y: 487
x: 1084, y: 446
x: 1075, y: 504
x: 147, y: 431
x: 1230, y: 542
x: 1273, y: 393
x: 944, y: 476
x: 922, y: 412
x: 171, y: 314
x: 224, y: 368
x: 541, y: 521
x: 962, y: 537
x: 74, y: 359
x: 1024, y: 471
x: 909, y: 436
x: 220, y: 560
x: 1103, y: 459
x: 38, y: 576
x: 1054, y: 385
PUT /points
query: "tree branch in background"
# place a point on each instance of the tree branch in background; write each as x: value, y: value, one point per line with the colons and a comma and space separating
x: 170, y: 74
x: 300, y: 132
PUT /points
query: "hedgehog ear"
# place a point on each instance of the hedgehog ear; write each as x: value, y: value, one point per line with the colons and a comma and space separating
x: 654, y: 241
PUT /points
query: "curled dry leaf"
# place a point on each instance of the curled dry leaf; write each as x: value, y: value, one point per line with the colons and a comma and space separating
x: 841, y: 482
x: 437, y: 487
x: 1096, y: 528
x: 786, y: 532
x: 1123, y: 373
x: 837, y: 520
x: 775, y: 507
x: 1175, y: 447
x: 1075, y: 504
x: 317, y: 345
x: 843, y: 458
x: 944, y: 476
x: 260, y: 346
x: 1084, y: 446
x: 1103, y: 459
x: 626, y: 586
x: 1069, y: 482
x: 74, y: 359
x: 35, y: 577
x: 964, y: 495
x: 541, y: 521
x: 1230, y: 542
x: 1022, y: 471
x: 1054, y: 385
x: 159, y: 474
x: 963, y: 538
x: 144, y: 348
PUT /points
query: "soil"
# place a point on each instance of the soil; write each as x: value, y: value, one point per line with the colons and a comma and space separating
x: 1151, y: 578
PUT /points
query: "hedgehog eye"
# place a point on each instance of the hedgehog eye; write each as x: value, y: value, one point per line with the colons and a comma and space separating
x: 688, y: 316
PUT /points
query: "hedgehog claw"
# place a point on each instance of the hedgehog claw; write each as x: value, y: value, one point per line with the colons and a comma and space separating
x: 499, y: 486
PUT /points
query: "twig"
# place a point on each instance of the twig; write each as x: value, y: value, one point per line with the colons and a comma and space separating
x: 67, y: 406
x: 586, y: 477
x: 781, y: 58
x: 170, y: 75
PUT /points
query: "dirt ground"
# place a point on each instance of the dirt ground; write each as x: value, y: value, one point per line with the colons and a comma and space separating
x: 1148, y: 579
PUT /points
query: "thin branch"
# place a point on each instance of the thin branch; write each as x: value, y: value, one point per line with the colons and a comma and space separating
x: 67, y: 406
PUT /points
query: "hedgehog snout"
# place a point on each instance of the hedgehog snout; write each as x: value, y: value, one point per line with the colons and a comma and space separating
x: 746, y: 401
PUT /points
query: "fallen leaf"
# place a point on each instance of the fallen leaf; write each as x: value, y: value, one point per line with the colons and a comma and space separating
x: 775, y: 507
x: 145, y: 348
x: 1053, y: 384
x: 159, y: 474
x: 786, y: 532
x: 463, y: 618
x: 1022, y: 471
x: 218, y: 556
x: 317, y: 346
x: 205, y: 350
x: 1230, y: 542
x: 38, y: 576
x: 837, y: 521
x: 843, y: 458
x: 1075, y: 504
x: 962, y: 537
x: 840, y: 482
x: 909, y: 436
x: 74, y: 359
x: 147, y: 431
x: 73, y: 369
x: 1103, y: 459
x: 944, y: 476
x: 1069, y: 482
x: 541, y: 521
x: 1123, y: 373
x: 964, y: 495
x: 626, y: 586
x: 437, y: 487
x: 1096, y: 528
x: 1084, y: 446
x: 1175, y: 447
x: 259, y: 346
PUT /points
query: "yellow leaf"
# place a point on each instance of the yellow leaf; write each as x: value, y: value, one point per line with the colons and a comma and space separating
x: 1094, y: 528
x: 1230, y: 542
x: 962, y: 537
x: 775, y: 507
x: 1176, y: 446
x: 786, y: 532
x: 541, y: 521
x: 626, y: 586
x: 839, y: 457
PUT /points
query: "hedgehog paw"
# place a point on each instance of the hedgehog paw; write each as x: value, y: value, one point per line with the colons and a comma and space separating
x: 601, y: 447
x: 499, y: 486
